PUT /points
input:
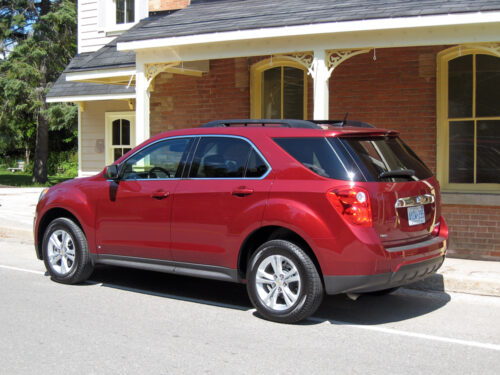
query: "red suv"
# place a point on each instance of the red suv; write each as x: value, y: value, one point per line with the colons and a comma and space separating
x: 292, y: 208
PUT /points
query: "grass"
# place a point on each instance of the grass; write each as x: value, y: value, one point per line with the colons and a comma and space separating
x: 23, y: 179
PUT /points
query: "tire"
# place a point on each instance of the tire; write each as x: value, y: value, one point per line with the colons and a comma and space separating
x: 382, y: 292
x: 283, y: 283
x: 66, y: 253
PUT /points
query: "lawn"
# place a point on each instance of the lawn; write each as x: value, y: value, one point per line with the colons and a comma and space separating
x: 23, y: 179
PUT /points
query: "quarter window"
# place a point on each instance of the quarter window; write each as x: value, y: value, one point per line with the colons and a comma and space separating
x: 224, y: 157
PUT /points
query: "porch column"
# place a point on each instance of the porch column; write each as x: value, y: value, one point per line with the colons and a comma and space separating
x: 321, y: 75
x: 141, y: 105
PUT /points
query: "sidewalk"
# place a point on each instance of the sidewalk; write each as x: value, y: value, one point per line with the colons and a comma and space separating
x: 17, y: 208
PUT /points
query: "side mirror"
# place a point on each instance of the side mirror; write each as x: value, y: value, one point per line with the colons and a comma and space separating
x: 112, y: 172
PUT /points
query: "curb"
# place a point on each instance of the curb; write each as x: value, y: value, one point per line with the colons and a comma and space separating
x: 442, y: 282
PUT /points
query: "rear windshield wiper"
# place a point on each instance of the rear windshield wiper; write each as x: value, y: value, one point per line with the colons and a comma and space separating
x: 397, y: 173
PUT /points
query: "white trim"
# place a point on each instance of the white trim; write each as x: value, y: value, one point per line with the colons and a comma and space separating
x: 87, y: 98
x: 97, y: 74
x: 315, y: 29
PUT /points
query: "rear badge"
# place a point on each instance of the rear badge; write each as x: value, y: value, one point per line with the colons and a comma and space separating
x: 416, y: 215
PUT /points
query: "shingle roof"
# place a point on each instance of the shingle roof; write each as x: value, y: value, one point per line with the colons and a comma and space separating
x: 63, y: 88
x: 209, y: 16
x: 107, y: 57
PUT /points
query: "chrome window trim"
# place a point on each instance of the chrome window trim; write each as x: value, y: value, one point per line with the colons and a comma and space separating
x: 200, y: 136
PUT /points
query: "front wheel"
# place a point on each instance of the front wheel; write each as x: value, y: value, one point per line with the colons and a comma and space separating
x: 283, y: 282
x: 65, y: 252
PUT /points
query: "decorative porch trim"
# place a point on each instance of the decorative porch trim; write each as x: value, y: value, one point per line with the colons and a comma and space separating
x: 338, y: 56
x: 152, y: 70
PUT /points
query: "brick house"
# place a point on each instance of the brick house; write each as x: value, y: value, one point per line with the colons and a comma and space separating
x: 430, y: 69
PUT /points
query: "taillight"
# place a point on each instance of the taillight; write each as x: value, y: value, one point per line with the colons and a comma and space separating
x: 353, y: 203
x: 436, y: 229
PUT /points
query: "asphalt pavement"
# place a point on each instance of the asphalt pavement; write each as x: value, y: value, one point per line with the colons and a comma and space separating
x: 125, y: 321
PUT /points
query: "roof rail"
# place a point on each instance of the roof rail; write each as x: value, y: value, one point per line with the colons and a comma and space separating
x: 262, y: 122
x: 288, y: 123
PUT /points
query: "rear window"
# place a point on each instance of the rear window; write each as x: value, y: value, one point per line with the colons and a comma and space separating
x: 355, y: 158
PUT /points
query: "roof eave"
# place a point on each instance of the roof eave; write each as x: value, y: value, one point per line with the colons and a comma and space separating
x: 316, y: 29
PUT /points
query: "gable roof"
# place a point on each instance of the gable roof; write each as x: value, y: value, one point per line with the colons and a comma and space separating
x: 211, y: 16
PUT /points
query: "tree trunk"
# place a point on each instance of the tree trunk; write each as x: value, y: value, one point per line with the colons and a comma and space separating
x: 26, y: 154
x: 41, y: 150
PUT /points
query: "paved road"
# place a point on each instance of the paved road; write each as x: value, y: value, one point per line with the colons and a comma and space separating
x: 129, y: 322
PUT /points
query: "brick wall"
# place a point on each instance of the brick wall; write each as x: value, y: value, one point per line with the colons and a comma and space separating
x: 474, y: 231
x: 161, y: 5
x: 183, y: 101
x: 397, y: 91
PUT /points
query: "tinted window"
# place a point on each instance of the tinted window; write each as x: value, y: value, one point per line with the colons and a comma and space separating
x: 160, y: 160
x: 256, y: 166
x: 319, y: 155
x: 225, y: 157
x: 375, y: 155
x: 354, y: 159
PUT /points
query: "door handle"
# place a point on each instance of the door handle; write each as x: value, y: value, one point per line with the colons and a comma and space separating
x: 160, y: 194
x: 242, y: 191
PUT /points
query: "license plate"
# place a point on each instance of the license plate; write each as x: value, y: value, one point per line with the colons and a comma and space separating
x: 416, y: 215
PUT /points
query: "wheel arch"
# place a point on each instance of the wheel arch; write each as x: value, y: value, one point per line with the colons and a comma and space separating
x: 46, y: 219
x: 267, y: 233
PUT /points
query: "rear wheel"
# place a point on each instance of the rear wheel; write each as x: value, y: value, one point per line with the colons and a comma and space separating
x: 283, y: 283
x: 65, y: 252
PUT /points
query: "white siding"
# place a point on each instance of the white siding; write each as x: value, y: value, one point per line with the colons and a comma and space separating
x: 93, y: 131
x: 96, y: 23
x: 90, y: 38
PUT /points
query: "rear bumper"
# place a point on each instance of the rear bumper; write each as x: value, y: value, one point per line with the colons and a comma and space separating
x: 368, y: 283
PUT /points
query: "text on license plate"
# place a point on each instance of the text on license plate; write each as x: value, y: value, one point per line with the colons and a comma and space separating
x: 416, y: 215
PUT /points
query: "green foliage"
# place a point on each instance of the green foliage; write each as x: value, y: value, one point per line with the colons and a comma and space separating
x: 41, y: 38
x: 23, y: 179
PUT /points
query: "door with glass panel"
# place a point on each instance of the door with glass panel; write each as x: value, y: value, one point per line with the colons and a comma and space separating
x: 120, y: 135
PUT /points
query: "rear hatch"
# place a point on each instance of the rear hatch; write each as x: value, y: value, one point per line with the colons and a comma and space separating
x: 403, y: 192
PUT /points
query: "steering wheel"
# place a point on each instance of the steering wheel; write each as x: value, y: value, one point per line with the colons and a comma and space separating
x: 160, y: 169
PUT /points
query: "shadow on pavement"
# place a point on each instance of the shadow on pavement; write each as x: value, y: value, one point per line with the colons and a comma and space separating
x: 366, y: 310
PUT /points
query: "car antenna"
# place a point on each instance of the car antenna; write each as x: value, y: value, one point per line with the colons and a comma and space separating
x: 344, y: 120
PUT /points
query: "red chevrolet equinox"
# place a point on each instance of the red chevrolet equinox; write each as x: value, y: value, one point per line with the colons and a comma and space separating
x: 292, y: 208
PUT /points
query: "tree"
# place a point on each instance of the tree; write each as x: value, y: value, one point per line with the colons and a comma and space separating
x: 40, y: 37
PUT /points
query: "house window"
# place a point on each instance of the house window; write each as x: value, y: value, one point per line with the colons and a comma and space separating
x: 120, y: 135
x: 469, y: 121
x: 278, y: 89
x: 124, y: 11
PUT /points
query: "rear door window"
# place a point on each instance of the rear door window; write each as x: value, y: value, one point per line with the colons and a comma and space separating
x: 226, y: 157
